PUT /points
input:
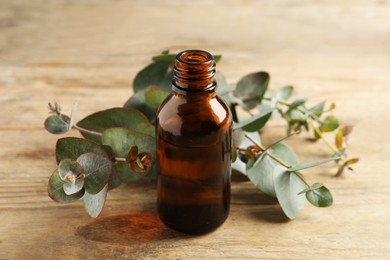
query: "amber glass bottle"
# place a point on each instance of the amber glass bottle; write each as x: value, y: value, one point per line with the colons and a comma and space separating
x: 193, y: 147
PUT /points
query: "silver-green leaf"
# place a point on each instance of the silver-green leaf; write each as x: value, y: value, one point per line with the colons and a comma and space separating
x: 320, y: 196
x: 56, y: 191
x: 93, y: 203
x: 97, y: 170
x: 287, y: 187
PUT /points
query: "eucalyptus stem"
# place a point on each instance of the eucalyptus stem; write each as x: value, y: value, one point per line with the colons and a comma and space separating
x: 254, y: 142
x: 265, y: 150
x: 278, y: 160
x: 310, y: 121
x: 284, y: 138
x: 300, y: 176
x: 86, y: 130
x: 319, y: 133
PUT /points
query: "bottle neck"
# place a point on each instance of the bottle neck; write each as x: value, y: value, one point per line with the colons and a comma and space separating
x: 194, y: 72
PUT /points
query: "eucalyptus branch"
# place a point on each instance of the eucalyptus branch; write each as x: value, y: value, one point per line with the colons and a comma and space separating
x: 300, y: 176
x: 255, y: 143
x: 86, y: 130
x: 278, y: 160
x: 282, y: 139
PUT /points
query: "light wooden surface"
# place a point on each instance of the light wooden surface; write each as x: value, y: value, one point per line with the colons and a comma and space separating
x: 90, y: 51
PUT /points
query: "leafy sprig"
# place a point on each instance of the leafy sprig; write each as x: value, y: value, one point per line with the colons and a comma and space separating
x: 119, y: 143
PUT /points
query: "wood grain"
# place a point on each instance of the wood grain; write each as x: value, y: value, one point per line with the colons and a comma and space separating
x: 90, y: 51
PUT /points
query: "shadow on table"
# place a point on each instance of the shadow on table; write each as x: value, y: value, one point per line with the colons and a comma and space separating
x: 252, y: 203
x: 128, y: 229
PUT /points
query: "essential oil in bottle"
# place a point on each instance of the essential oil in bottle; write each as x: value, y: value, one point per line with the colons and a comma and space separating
x: 193, y: 132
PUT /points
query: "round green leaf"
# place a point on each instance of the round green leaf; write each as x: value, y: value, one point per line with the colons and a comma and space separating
x: 320, y: 197
x: 261, y: 173
x: 256, y: 122
x: 56, y: 191
x: 239, y: 165
x: 287, y: 187
x: 238, y: 136
x: 72, y: 148
x: 72, y: 188
x: 296, y: 103
x: 125, y: 173
x: 57, y: 124
x: 93, y: 203
x: 97, y: 170
x: 251, y: 88
x: 114, y: 117
x: 147, y: 128
x: 114, y: 180
x: 69, y: 166
x: 286, y: 92
x: 165, y: 57
x: 121, y: 140
x: 318, y: 109
x: 158, y: 74
x: 154, y: 97
x: 330, y: 123
x: 147, y: 101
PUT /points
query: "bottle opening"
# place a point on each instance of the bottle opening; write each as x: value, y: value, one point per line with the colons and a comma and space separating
x: 195, y: 57
x: 194, y: 70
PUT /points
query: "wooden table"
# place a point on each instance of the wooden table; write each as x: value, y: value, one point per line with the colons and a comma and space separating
x: 90, y: 51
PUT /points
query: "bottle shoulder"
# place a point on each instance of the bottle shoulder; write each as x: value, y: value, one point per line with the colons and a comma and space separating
x: 196, y: 120
x: 193, y: 109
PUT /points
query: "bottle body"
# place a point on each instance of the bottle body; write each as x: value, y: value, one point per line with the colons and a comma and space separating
x: 193, y: 134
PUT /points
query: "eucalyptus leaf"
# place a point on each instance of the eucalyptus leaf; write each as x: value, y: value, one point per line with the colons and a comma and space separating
x: 339, y: 139
x: 154, y: 97
x: 256, y: 122
x: 97, y: 170
x: 261, y: 172
x: 165, y: 57
x: 225, y: 89
x: 125, y: 173
x: 238, y: 137
x: 296, y: 103
x: 72, y: 188
x: 346, y: 129
x: 285, y: 92
x: 330, y: 123
x: 287, y: 187
x: 158, y: 74
x: 147, y: 128
x: 239, y: 165
x: 57, y: 124
x: 73, y: 115
x: 306, y: 165
x: 221, y: 81
x: 93, y: 203
x: 147, y: 101
x: 114, y: 181
x: 251, y: 88
x: 351, y: 161
x: 56, y: 191
x: 69, y: 165
x: 72, y: 148
x: 318, y: 109
x: 319, y: 197
x: 122, y: 139
x: 113, y: 117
